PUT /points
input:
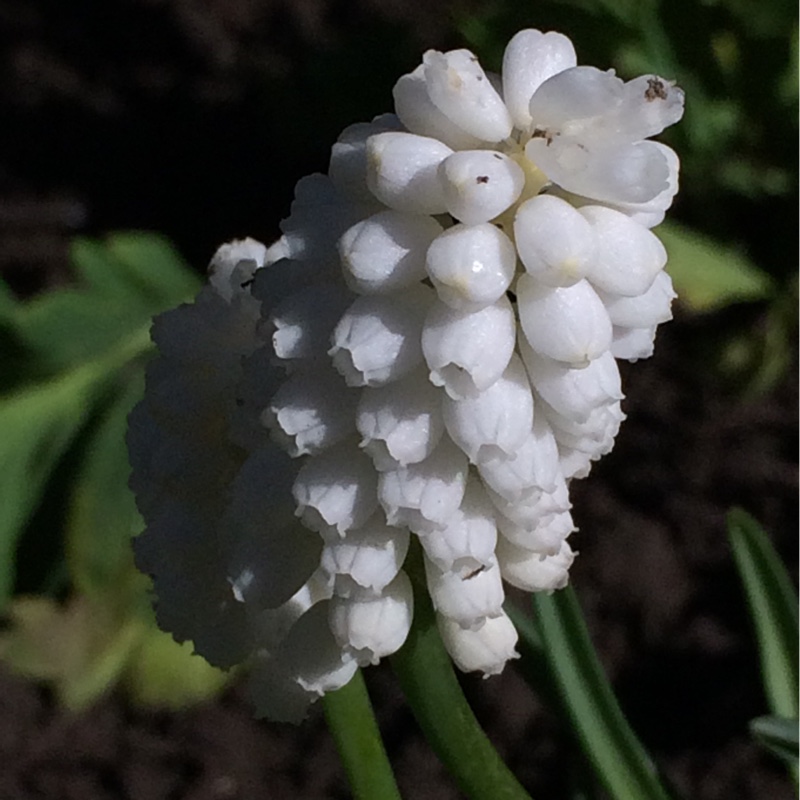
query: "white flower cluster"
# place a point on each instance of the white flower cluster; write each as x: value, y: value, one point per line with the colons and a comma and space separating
x: 428, y: 351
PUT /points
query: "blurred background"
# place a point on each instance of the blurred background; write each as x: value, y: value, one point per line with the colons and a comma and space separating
x: 138, y: 135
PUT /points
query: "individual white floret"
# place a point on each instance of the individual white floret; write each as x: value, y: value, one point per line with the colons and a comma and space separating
x: 530, y: 58
x: 497, y: 420
x: 544, y: 537
x: 402, y: 172
x: 386, y: 251
x: 484, y: 650
x: 569, y: 323
x: 336, y: 488
x: 377, y: 340
x: 241, y: 257
x: 312, y: 410
x: 468, y: 599
x: 471, y: 266
x: 348, y: 164
x: 555, y: 243
x: 632, y: 344
x: 480, y: 184
x: 425, y: 496
x: 531, y: 571
x: 417, y: 112
x: 282, y: 278
x: 460, y: 89
x: 532, y: 509
x: 401, y: 423
x: 300, y: 326
x: 645, y: 311
x: 370, y: 626
x: 266, y: 556
x: 467, y: 542
x: 371, y: 556
x: 573, y: 393
x: 531, y: 468
x: 467, y: 351
x: 319, y: 215
x: 627, y: 256
x: 308, y: 663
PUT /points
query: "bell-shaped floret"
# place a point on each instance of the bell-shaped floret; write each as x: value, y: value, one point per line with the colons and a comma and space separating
x: 529, y: 511
x: 531, y: 468
x: 568, y: 324
x: 426, y: 495
x: 544, y: 537
x: 402, y: 172
x: 308, y: 663
x: 418, y: 113
x: 573, y: 393
x: 467, y: 599
x: 467, y: 351
x: 312, y: 410
x: 479, y: 185
x: 555, y: 243
x: 486, y: 649
x: 497, y: 420
x: 377, y: 340
x: 370, y: 556
x: 300, y: 326
x: 401, y: 423
x: 370, y: 626
x: 336, y: 488
x: 234, y: 264
x: 471, y: 266
x: 467, y: 542
x: 530, y: 58
x: 386, y: 251
x: 645, y: 311
x: 348, y: 165
x: 532, y: 571
x: 461, y: 90
x: 627, y: 256
x: 268, y: 555
x: 632, y: 344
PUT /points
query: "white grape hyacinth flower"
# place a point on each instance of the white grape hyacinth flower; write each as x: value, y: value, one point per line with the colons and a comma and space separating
x: 420, y: 364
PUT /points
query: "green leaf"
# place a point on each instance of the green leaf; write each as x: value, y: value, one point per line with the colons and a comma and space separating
x: 352, y: 724
x: 37, y: 425
x: 779, y: 735
x: 618, y: 758
x: 708, y: 275
x: 80, y: 649
x: 430, y: 686
x: 126, y: 281
x: 164, y: 674
x: 103, y: 516
x: 773, y: 607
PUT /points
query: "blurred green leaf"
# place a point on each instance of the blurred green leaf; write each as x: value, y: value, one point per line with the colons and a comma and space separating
x: 164, y: 674
x: 103, y: 516
x: 80, y: 648
x: 773, y: 607
x: 779, y: 735
x: 708, y: 275
x: 125, y: 281
x: 620, y: 761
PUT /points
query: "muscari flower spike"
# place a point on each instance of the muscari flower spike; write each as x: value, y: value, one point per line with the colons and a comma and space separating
x: 430, y: 350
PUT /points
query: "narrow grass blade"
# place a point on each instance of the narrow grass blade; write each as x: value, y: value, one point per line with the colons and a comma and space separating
x: 618, y: 758
x: 779, y: 735
x: 773, y: 606
x: 352, y: 724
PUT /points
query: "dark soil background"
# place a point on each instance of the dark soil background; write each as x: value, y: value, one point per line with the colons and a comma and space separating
x: 195, y: 119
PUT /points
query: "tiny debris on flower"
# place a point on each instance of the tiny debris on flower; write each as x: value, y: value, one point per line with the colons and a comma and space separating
x: 429, y: 352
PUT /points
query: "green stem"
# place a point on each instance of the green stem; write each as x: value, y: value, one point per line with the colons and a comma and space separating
x: 352, y: 724
x: 426, y: 675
